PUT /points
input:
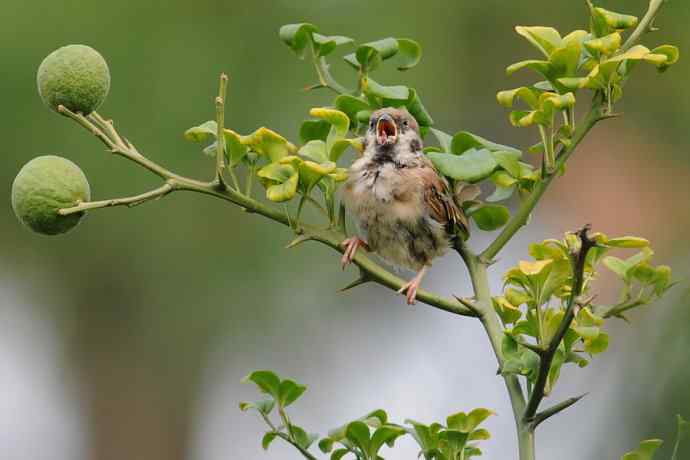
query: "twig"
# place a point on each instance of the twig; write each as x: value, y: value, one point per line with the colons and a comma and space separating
x: 131, y: 201
x: 617, y: 310
x: 301, y: 450
x: 553, y: 410
x: 326, y: 80
x: 530, y: 346
x: 220, y: 135
x: 645, y: 25
x: 550, y: 351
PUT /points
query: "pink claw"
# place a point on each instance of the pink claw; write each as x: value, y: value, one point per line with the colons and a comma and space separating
x: 351, y: 245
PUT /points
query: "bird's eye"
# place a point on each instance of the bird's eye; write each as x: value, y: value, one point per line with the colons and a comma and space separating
x: 372, y: 123
x: 406, y: 123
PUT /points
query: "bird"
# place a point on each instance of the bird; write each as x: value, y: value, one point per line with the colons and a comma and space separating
x: 404, y: 209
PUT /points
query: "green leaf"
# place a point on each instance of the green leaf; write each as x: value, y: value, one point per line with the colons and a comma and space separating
x: 534, y: 267
x: 598, y: 344
x: 606, y: 45
x: 643, y: 272
x: 357, y: 433
x: 506, y: 311
x: 235, y: 150
x: 572, y: 83
x: 309, y: 172
x: 672, y: 55
x: 616, y: 265
x: 325, y: 45
x: 565, y: 61
x: 645, y: 451
x: 326, y: 444
x: 508, y: 160
x: 339, y: 121
x: 663, y: 279
x: 267, y: 381
x: 479, y: 435
x: 490, y: 217
x: 203, y: 132
x: 268, y: 439
x: 464, y: 141
x: 269, y: 143
x: 312, y: 130
x: 371, y: 87
x: 315, y: 150
x: 280, y: 180
x: 301, y: 437
x: 297, y: 36
x: 476, y: 417
x: 522, y: 119
x: 375, y: 418
x: 507, y: 98
x: 387, y: 434
x: 551, y: 102
x: 615, y: 21
x: 545, y: 39
x: 501, y: 193
x: 339, y: 453
x: 541, y: 67
x: 444, y: 140
x: 409, y: 54
x: 417, y: 110
x: 472, y: 166
x: 351, y: 105
x: 340, y: 146
x: 368, y: 56
x: 289, y: 391
x: 265, y: 406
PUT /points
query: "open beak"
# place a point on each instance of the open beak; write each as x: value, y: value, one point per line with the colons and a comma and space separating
x: 386, y: 130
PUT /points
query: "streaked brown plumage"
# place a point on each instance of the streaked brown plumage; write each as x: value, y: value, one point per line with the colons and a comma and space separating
x: 403, y: 207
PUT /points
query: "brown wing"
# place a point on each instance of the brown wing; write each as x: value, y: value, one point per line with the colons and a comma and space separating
x: 439, y: 200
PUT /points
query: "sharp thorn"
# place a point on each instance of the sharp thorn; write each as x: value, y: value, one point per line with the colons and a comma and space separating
x: 358, y: 282
x: 297, y: 241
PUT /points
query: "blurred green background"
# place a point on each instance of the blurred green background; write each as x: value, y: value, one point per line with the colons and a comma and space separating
x: 128, y: 337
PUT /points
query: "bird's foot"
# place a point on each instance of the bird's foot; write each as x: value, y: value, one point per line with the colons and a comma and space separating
x: 411, y: 288
x: 351, y: 245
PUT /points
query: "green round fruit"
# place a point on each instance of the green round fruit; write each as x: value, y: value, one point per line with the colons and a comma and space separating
x: 45, y: 185
x: 75, y: 76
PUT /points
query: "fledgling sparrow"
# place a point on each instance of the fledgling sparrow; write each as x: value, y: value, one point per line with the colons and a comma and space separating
x: 402, y: 205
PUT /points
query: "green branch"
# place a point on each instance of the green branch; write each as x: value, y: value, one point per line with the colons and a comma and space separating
x: 174, y: 182
x: 645, y: 25
x: 523, y: 213
x: 130, y: 202
x: 553, y: 410
x: 547, y: 357
x: 220, y: 135
x: 326, y: 80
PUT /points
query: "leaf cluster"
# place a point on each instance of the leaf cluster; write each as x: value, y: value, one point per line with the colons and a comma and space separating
x: 363, y: 438
x: 537, y: 293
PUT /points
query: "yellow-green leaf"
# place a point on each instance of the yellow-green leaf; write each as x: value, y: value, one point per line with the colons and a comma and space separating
x: 535, y: 267
x: 266, y: 142
x: 545, y: 39
x: 606, y: 45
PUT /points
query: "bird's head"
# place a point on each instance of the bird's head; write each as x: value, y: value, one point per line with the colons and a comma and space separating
x: 392, y: 127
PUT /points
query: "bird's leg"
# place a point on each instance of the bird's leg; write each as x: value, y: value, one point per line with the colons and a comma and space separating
x: 351, y: 245
x: 411, y: 287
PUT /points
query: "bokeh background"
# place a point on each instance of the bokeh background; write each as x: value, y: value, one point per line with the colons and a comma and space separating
x: 128, y: 338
